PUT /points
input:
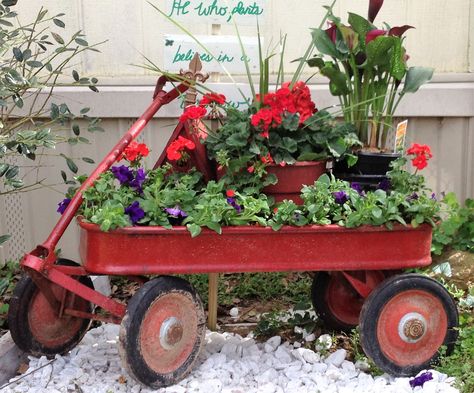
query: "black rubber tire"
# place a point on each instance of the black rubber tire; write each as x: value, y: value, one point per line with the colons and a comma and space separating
x: 321, y: 303
x: 392, y: 290
x: 140, y: 309
x: 18, y: 321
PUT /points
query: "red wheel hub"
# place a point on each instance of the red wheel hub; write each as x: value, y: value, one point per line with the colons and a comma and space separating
x: 411, y: 327
x: 44, y: 321
x: 168, y: 332
x: 344, y: 301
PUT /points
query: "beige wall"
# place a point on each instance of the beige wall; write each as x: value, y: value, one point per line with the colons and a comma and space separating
x: 443, y: 37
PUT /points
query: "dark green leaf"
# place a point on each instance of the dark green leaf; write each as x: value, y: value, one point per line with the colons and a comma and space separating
x: 72, y: 141
x: 85, y: 110
x: 94, y: 89
x: 397, y: 64
x: 57, y: 38
x: 59, y: 22
x: 49, y: 67
x: 361, y: 26
x: 4, y: 238
x: 3, y: 168
x: 72, y: 166
x: 83, y: 140
x: 34, y: 63
x: 12, y: 172
x: 18, y: 101
x: 316, y: 62
x: 18, y: 54
x: 5, y: 23
x: 75, y: 75
x: 337, y: 80
x: 81, y: 42
x: 88, y: 160
x: 76, y: 129
x: 64, y: 176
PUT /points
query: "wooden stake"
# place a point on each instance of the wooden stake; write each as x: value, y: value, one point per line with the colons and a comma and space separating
x: 212, y: 301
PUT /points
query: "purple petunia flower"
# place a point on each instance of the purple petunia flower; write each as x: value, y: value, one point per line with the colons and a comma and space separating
x: 135, y: 212
x: 413, y: 197
x: 421, y: 379
x: 433, y: 196
x: 63, y: 205
x: 231, y: 201
x: 122, y: 173
x: 358, y: 187
x: 138, y: 180
x: 176, y: 212
x: 384, y: 185
x: 340, y: 197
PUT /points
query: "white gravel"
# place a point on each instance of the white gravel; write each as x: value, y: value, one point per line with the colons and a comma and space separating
x: 228, y: 364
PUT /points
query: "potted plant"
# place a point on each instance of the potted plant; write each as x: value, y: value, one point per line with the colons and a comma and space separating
x: 367, y: 70
x: 278, y: 144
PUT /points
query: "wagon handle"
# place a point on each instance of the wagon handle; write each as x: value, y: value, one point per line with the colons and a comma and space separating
x: 43, y: 256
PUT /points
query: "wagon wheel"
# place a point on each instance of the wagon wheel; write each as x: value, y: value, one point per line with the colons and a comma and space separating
x: 162, y: 332
x: 336, y: 301
x: 36, y: 327
x: 405, y: 321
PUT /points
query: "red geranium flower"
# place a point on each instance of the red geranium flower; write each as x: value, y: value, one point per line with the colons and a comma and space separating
x: 135, y: 151
x: 251, y: 169
x: 193, y: 113
x: 211, y: 98
x: 267, y: 159
x: 422, y: 154
x: 230, y: 193
x: 175, y: 149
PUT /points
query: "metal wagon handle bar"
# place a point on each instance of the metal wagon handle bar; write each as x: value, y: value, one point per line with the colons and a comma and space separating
x: 160, y: 98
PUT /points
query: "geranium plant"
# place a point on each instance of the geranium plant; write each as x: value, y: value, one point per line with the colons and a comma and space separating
x: 367, y: 71
x: 281, y: 128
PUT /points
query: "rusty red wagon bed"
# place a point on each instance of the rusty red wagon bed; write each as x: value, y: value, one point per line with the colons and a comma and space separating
x: 404, y: 318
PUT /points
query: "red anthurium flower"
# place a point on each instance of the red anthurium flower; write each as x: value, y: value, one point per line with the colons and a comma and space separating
x: 193, y: 113
x: 213, y: 98
x: 230, y: 193
x: 175, y: 149
x: 331, y: 32
x: 373, y: 34
x: 135, y: 151
x: 374, y: 8
x: 399, y: 30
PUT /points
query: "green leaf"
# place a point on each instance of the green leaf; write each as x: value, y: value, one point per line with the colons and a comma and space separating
x: 18, y: 54
x: 3, y: 168
x: 4, y: 238
x: 377, y: 212
x: 72, y: 166
x: 59, y: 22
x: 316, y: 62
x: 93, y: 88
x: 85, y: 110
x: 81, y: 42
x: 64, y: 176
x: 12, y: 172
x: 194, y: 229
x: 337, y: 80
x: 337, y: 147
x: 361, y: 26
x: 34, y: 63
x: 291, y: 121
x: 58, y: 38
x: 416, y: 77
x: 75, y: 75
x: 378, y: 50
x: 88, y: 160
x: 397, y: 65
x: 323, y: 43
x: 76, y: 129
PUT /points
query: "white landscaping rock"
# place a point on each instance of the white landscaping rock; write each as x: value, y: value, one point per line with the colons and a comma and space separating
x: 228, y: 364
x: 336, y: 358
x: 234, y: 312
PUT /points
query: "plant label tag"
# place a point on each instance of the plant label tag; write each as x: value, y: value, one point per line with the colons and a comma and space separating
x: 400, y: 136
x: 224, y: 53
x: 242, y: 12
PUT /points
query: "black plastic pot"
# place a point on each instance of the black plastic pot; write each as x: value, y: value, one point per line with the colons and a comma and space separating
x: 369, y: 170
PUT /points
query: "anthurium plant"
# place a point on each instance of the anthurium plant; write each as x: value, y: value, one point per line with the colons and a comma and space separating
x: 367, y: 70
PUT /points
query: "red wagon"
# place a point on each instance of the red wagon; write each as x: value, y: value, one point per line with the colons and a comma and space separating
x: 404, y: 318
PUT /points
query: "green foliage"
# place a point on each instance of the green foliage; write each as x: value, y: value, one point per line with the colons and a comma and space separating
x: 255, y: 287
x: 9, y: 275
x: 456, y: 230
x: 460, y: 363
x: 366, y: 76
x: 35, y: 57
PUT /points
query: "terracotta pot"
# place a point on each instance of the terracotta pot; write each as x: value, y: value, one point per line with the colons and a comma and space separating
x: 291, y: 179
